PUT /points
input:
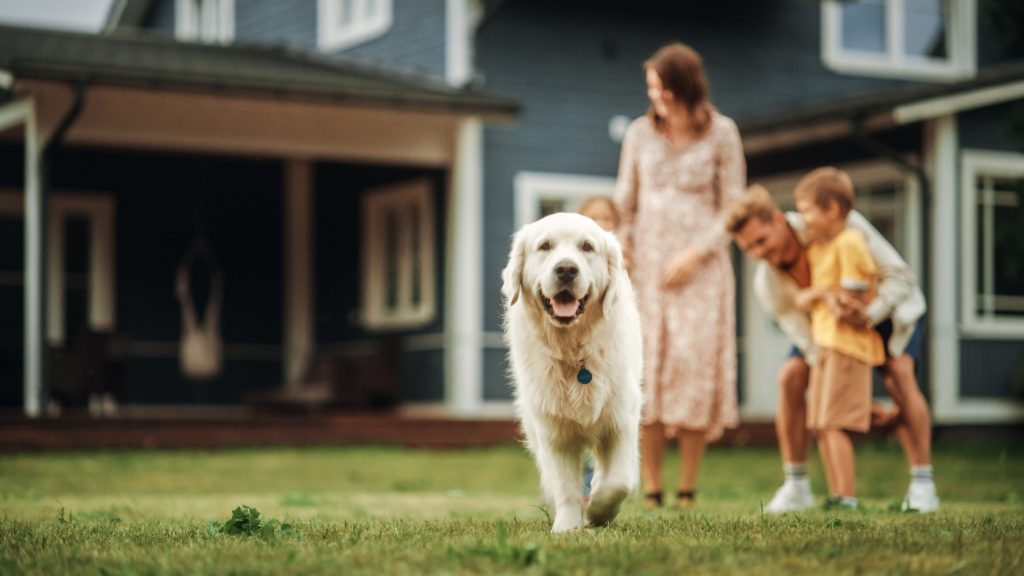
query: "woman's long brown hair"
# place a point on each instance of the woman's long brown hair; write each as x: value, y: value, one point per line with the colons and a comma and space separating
x: 682, y: 73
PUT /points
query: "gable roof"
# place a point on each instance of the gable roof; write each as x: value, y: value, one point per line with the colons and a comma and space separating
x: 162, y: 63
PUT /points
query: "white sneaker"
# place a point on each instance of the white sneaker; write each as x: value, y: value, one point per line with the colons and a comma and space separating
x: 793, y: 496
x: 921, y: 497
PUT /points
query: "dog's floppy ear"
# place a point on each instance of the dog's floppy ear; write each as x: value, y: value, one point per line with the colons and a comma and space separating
x: 616, y: 273
x: 512, y: 275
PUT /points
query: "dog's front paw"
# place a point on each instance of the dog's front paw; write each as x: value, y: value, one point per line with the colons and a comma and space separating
x: 566, y: 522
x: 605, y: 505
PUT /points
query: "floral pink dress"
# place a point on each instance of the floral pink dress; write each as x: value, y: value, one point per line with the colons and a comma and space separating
x: 670, y: 199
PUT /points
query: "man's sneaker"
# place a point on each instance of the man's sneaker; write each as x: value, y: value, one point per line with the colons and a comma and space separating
x: 921, y: 497
x: 793, y: 496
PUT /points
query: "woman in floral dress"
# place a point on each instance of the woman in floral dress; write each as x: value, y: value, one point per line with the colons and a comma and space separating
x: 681, y: 166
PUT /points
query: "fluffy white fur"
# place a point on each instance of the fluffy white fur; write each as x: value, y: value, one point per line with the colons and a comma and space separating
x: 590, y: 320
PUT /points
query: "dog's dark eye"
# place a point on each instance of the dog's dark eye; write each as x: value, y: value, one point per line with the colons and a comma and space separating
x: 587, y: 247
x: 544, y: 246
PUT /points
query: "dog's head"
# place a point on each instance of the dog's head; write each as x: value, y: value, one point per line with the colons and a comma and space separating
x: 561, y: 263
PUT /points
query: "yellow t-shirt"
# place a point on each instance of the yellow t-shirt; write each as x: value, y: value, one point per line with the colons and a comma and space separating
x: 844, y: 260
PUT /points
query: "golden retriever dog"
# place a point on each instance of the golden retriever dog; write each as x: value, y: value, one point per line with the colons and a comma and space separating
x: 573, y: 333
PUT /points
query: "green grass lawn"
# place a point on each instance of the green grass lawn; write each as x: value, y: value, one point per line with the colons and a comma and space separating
x: 396, y: 511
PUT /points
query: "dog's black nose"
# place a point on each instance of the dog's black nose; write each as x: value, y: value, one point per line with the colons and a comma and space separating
x: 566, y: 270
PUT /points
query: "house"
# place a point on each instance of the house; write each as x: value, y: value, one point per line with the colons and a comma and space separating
x: 920, y: 101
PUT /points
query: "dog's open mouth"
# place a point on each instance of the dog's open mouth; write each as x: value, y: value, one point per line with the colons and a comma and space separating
x: 564, y: 306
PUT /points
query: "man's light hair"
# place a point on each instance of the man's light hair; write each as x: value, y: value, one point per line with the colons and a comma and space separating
x: 826, y: 185
x: 756, y: 203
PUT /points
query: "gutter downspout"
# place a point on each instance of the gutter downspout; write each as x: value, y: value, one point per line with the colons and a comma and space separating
x: 861, y: 137
x: 45, y: 158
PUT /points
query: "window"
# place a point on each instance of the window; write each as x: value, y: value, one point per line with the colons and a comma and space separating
x: 912, y: 39
x: 209, y: 21
x: 398, y: 256
x: 345, y: 23
x: 993, y: 241
x: 539, y: 194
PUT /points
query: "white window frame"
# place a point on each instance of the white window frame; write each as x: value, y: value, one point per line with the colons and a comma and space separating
x: 332, y: 36
x: 895, y: 63
x: 533, y: 187
x: 98, y: 210
x: 193, y: 18
x: 973, y: 164
x: 403, y: 197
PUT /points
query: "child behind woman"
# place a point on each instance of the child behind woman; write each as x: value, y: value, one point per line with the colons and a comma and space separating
x: 839, y: 395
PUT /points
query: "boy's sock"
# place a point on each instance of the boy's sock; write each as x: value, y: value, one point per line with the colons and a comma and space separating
x: 921, y: 474
x: 795, y: 471
x: 848, y: 502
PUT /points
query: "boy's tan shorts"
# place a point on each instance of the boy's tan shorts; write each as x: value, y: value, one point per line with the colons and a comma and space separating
x: 839, y: 395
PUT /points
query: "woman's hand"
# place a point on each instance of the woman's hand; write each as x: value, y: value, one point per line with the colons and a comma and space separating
x: 680, y: 270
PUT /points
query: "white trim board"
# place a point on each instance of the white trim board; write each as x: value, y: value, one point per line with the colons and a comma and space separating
x: 943, y: 105
x: 531, y: 187
x: 893, y: 62
x: 993, y: 163
x: 364, y: 25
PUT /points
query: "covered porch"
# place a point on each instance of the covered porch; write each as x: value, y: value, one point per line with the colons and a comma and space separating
x: 341, y: 204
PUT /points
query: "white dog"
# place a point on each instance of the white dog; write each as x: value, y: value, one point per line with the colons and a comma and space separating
x: 573, y: 333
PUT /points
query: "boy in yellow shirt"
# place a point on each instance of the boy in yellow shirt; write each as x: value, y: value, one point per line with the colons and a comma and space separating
x: 839, y: 395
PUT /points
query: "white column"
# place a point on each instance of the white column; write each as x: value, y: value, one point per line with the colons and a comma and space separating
x: 464, y: 305
x: 942, y: 163
x: 34, y: 226
x: 298, y: 271
x: 102, y: 266
x: 458, y: 40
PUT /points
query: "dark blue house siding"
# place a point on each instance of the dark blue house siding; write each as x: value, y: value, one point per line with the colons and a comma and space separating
x: 161, y: 17
x: 993, y: 128
x: 574, y: 68
x: 992, y: 369
x: 276, y: 22
x: 415, y: 41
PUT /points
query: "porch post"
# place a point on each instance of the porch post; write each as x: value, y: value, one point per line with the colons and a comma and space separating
x: 298, y: 271
x: 19, y: 112
x: 941, y: 157
x: 464, y: 306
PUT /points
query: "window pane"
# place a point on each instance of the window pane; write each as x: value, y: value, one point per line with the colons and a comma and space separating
x: 1009, y: 245
x: 417, y: 261
x: 551, y: 206
x: 391, y: 256
x: 864, y: 25
x: 345, y: 13
x: 924, y: 28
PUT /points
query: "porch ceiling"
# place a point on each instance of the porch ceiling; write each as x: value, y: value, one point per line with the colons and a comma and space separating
x: 140, y: 118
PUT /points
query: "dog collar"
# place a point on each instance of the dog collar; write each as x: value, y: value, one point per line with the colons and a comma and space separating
x: 584, y: 376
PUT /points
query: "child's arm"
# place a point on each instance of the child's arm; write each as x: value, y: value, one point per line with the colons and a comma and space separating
x: 807, y: 298
x: 858, y: 274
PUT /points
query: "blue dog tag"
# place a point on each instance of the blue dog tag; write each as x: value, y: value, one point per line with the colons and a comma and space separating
x: 584, y: 376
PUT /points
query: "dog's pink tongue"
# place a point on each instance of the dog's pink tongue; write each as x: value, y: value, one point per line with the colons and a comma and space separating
x: 565, y: 309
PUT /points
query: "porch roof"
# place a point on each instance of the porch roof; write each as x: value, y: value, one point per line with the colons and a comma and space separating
x: 162, y: 63
x: 992, y: 85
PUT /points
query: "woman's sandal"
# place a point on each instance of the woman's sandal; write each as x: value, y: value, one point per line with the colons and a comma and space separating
x: 653, y: 500
x: 686, y: 499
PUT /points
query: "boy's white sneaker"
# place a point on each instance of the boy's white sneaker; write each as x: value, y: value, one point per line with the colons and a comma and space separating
x: 921, y: 497
x: 793, y: 496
